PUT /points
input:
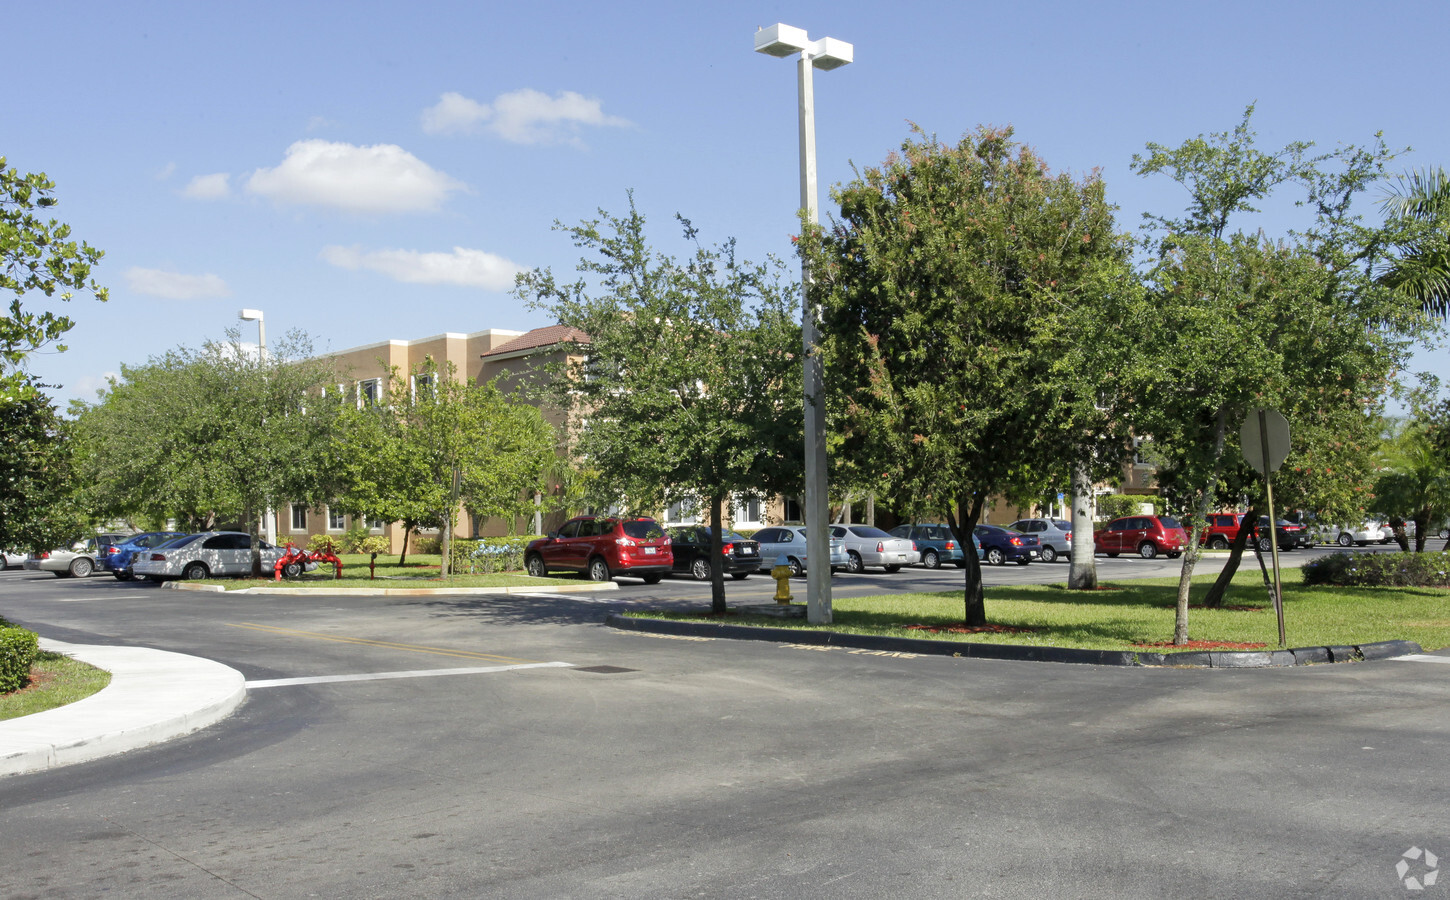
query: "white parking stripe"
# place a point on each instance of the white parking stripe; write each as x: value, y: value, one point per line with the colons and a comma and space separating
x: 420, y: 673
x: 1421, y: 657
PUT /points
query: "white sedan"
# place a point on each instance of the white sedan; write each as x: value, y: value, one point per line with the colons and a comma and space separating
x: 206, y: 555
x: 867, y: 545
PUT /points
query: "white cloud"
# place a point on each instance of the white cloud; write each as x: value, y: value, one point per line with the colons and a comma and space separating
x: 383, y: 178
x: 208, y: 187
x: 175, y: 285
x: 465, y: 267
x: 525, y: 116
x: 87, y: 386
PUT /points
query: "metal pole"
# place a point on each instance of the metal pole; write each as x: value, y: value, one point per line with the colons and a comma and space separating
x: 1273, y: 526
x: 817, y: 510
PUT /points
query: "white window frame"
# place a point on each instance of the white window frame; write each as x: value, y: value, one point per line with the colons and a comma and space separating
x: 363, y: 386
x: 295, y: 509
x: 339, y: 517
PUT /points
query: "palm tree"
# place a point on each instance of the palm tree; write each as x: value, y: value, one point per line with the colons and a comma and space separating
x: 1421, y: 201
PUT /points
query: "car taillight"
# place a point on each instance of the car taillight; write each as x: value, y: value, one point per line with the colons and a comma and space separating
x: 1016, y: 542
x: 158, y: 557
x: 727, y: 548
x: 951, y: 545
x: 112, y: 551
x: 880, y: 547
x: 625, y: 542
x: 44, y: 554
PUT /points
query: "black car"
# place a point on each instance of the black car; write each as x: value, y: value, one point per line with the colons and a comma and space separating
x: 1289, y: 535
x: 691, y: 546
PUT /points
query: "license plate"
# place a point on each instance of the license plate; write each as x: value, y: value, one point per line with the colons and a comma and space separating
x: 747, y: 551
x: 649, y: 551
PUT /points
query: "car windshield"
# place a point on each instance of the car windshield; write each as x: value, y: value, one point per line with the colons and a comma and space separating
x: 868, y: 531
x: 643, y: 529
x: 1169, y: 522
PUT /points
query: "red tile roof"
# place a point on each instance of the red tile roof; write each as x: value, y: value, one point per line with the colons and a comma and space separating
x: 547, y: 336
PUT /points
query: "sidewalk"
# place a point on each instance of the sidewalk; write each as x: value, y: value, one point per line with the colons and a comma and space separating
x: 154, y: 696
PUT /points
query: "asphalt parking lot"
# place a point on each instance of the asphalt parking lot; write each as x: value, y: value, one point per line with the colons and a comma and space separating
x: 418, y: 747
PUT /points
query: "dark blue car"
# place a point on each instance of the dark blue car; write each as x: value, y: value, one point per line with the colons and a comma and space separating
x: 119, y: 557
x: 999, y: 545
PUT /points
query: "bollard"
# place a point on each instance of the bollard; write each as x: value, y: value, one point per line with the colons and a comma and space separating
x: 781, y: 574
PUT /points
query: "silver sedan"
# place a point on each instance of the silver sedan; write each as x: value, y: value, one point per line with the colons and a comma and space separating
x: 789, y: 541
x: 867, y: 545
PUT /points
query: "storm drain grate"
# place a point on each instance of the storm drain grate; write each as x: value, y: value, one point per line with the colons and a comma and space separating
x: 604, y: 670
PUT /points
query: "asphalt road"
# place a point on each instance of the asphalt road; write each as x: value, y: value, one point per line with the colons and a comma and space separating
x: 667, y: 767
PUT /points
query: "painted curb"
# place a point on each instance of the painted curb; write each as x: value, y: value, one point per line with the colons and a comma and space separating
x: 1215, y: 659
x: 154, y: 696
x: 399, y: 592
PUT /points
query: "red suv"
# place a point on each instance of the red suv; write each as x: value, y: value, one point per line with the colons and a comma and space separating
x: 1221, y: 530
x: 603, y: 547
x: 1146, y: 536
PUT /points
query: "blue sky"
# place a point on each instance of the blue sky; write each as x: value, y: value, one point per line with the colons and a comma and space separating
x: 369, y: 170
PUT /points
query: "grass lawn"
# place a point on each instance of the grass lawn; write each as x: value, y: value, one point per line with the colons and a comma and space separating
x: 55, y: 680
x: 421, y: 571
x: 1138, y: 613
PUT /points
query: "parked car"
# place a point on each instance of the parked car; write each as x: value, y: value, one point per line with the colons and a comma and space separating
x: 936, y: 543
x: 1290, y: 535
x: 1221, y: 530
x: 690, y: 547
x: 789, y: 541
x: 11, y: 558
x: 78, y: 560
x: 210, y: 554
x: 603, y: 547
x: 1003, y: 545
x: 867, y: 545
x: 1147, y: 536
x: 1356, y: 535
x: 120, y: 556
x: 1053, y: 535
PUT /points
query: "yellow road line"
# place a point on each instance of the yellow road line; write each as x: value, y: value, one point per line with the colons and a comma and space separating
x: 391, y: 645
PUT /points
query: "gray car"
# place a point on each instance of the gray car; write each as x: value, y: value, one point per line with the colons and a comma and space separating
x: 790, y: 541
x: 78, y: 560
x: 867, y: 545
x: 1054, y: 536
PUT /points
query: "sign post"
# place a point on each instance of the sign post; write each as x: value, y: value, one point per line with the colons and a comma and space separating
x: 1264, y: 438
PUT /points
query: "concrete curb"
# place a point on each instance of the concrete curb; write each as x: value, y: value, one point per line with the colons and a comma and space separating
x: 1252, y: 659
x: 154, y: 696
x: 399, y: 592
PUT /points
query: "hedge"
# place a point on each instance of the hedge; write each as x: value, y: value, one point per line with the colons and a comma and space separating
x: 18, y: 648
x: 1348, y: 569
x: 488, y: 555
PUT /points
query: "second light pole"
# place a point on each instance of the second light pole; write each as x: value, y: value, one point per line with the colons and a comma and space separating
x: 827, y: 53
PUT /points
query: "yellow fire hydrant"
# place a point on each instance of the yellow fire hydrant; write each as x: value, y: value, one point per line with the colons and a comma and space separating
x: 781, y: 574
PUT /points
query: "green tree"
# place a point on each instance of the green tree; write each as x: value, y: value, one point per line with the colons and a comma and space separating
x: 1419, y: 202
x: 419, y: 455
x: 964, y: 339
x: 41, y: 503
x: 209, y: 436
x: 692, y: 388
x: 1234, y: 320
x: 36, y: 256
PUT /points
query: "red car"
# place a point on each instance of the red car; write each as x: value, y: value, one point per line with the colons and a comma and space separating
x: 1146, y: 536
x: 603, y: 547
x: 1221, y: 530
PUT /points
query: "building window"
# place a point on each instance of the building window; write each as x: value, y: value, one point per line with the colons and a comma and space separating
x: 422, y: 387
x: 299, y: 517
x: 375, y: 525
x: 336, y: 520
x: 682, y: 513
x: 793, y: 510
x: 747, y: 512
x: 369, y: 392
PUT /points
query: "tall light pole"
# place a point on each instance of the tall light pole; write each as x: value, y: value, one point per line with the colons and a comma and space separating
x: 269, y: 518
x: 827, y: 53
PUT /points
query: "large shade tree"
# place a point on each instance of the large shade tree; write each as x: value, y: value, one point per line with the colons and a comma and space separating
x: 688, y: 389
x: 965, y: 350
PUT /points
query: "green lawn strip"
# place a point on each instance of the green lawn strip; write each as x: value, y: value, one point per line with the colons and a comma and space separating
x: 1141, y: 611
x: 421, y: 571
x: 55, y: 680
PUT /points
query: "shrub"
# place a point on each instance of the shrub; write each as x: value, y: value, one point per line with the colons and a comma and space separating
x: 18, y: 648
x: 372, y: 545
x: 488, y: 555
x: 1361, y: 569
x: 330, y: 543
x: 427, y: 544
x: 352, y: 538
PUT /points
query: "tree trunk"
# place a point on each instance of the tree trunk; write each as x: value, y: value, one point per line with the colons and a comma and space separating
x: 1214, y: 598
x: 1190, y: 554
x: 717, y: 555
x: 962, y: 524
x: 1397, y: 527
x: 254, y: 532
x: 1082, y: 572
x: 407, y: 533
x: 1422, y: 528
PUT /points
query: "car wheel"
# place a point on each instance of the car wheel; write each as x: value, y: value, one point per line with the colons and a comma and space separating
x: 653, y: 578
x: 1049, y: 554
x: 1444, y: 534
x: 796, y: 569
x: 1112, y: 556
x: 854, y: 565
x: 931, y: 560
x: 1147, y: 549
x: 891, y: 569
x: 598, y: 569
x: 1345, y: 540
x: 1265, y: 545
x: 194, y: 571
x: 996, y: 557
x: 292, y: 570
x: 535, y: 566
x: 81, y: 567
x: 700, y: 569
x: 740, y: 576
x: 1174, y: 555
x: 1218, y: 542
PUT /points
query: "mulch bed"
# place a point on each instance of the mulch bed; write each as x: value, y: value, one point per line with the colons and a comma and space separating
x: 1200, y: 645
x: 971, y: 629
